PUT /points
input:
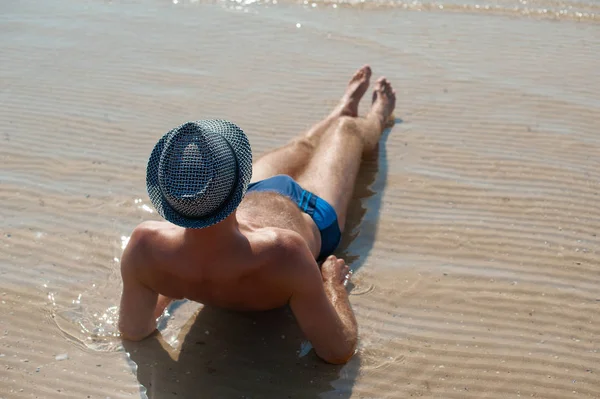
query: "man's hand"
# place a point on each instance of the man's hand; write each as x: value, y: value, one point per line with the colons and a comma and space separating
x: 335, y: 271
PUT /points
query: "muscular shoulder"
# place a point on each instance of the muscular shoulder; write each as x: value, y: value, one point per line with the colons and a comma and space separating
x: 281, y: 242
x: 285, y: 251
x: 148, y: 227
x: 145, y: 239
x: 151, y: 232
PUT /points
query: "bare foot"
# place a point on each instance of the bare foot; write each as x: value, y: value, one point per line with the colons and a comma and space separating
x: 357, y: 87
x: 384, y: 101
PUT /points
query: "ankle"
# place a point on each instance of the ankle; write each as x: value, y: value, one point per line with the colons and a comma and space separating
x: 377, y: 119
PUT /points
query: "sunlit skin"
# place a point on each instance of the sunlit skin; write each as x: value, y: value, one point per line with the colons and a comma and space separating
x: 263, y: 255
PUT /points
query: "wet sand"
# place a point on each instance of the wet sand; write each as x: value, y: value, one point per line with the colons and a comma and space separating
x: 473, y: 233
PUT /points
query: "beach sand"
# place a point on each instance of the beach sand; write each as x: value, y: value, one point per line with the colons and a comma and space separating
x: 474, y: 233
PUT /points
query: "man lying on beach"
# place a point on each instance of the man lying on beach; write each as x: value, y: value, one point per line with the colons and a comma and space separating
x: 254, y: 245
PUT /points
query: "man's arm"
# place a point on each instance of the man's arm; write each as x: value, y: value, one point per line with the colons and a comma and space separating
x: 138, y: 302
x: 321, y: 306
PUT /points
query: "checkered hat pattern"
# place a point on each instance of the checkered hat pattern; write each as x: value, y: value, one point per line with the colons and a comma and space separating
x: 198, y: 172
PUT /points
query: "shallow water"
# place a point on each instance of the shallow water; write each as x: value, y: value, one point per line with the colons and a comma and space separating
x: 474, y: 232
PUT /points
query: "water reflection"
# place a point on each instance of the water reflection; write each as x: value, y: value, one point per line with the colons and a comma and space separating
x: 561, y: 10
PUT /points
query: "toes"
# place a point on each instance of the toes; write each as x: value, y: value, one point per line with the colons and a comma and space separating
x: 367, y: 70
x: 383, y: 90
x: 383, y: 84
x: 363, y: 72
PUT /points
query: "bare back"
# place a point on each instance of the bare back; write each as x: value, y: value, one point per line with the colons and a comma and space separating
x: 245, y: 274
x: 263, y: 209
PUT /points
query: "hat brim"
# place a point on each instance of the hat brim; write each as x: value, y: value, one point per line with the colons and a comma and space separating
x: 241, y: 147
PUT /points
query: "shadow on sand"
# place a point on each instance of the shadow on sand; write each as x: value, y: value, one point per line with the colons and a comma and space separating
x: 244, y: 355
x: 364, y: 210
x: 256, y: 355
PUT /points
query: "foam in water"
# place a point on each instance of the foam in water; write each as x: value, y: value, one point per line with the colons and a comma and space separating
x: 96, y: 328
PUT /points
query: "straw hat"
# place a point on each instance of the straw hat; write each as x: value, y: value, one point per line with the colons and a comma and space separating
x: 198, y: 172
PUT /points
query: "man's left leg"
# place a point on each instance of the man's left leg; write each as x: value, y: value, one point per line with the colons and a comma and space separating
x: 332, y: 172
x: 293, y: 158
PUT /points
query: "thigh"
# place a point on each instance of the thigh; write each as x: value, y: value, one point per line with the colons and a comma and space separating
x: 331, y: 173
x: 291, y: 160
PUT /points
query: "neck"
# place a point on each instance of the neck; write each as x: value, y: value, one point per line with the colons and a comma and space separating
x: 220, y: 233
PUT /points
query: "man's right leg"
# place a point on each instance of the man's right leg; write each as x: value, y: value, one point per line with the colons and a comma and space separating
x: 293, y: 158
x: 332, y: 171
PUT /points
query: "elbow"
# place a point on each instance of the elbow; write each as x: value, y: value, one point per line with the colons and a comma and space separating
x: 128, y: 332
x: 340, y: 355
x: 338, y: 358
x: 135, y: 337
